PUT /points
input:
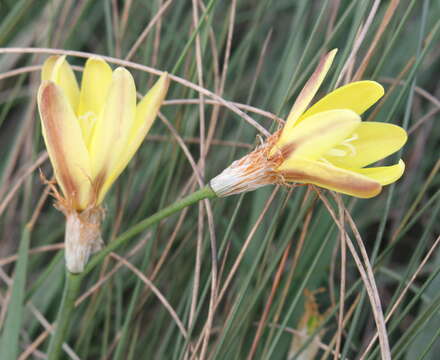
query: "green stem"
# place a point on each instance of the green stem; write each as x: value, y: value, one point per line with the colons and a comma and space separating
x: 204, y: 193
x: 71, y: 289
x: 73, y: 281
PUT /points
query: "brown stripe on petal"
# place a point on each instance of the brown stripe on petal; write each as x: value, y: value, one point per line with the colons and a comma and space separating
x: 351, y: 185
x: 97, y: 185
x: 50, y: 108
x: 310, y: 88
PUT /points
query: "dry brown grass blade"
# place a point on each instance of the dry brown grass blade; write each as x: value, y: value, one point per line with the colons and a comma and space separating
x: 239, y: 258
x: 147, y: 30
x: 17, y: 183
x: 380, y: 32
x: 264, y: 316
x: 133, y: 65
x: 417, y: 200
x: 358, y: 41
x: 155, y: 290
x: 195, y: 140
x: 343, y: 279
x: 403, y: 293
x: 41, y: 319
x: 366, y: 275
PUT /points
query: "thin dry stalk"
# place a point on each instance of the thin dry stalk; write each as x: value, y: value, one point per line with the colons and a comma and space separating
x: 418, y: 90
x: 39, y: 316
x: 40, y: 249
x: 276, y: 283
x: 417, y: 200
x: 390, y: 91
x: 359, y: 39
x: 402, y: 294
x: 367, y: 279
x: 380, y: 31
x: 343, y: 275
x: 298, y: 250
x: 124, y: 17
x: 301, y: 334
x: 200, y: 222
x: 62, y: 23
x: 20, y: 71
x: 334, y: 5
x: 155, y: 290
x: 49, y: 330
x: 116, y: 28
x: 28, y: 170
x: 240, y: 256
x: 195, y: 140
x: 156, y: 42
x: 214, y: 267
x: 147, y: 30
x: 144, y: 68
x: 346, y: 319
x: 95, y: 287
x: 423, y: 120
x: 33, y: 347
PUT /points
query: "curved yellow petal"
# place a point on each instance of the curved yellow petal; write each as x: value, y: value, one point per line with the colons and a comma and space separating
x: 58, y: 70
x: 96, y: 81
x: 357, y: 96
x: 330, y: 177
x: 65, y: 145
x: 372, y: 141
x: 112, y: 130
x: 384, y: 175
x: 310, y: 88
x: 317, y: 134
x: 146, y: 112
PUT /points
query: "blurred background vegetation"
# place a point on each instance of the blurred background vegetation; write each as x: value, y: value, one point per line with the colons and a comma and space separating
x: 271, y: 244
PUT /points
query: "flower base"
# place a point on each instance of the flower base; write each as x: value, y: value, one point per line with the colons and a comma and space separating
x: 82, y: 237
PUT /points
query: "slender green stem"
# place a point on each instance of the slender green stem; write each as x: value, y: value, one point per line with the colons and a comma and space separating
x: 71, y: 289
x: 204, y: 193
x: 73, y: 281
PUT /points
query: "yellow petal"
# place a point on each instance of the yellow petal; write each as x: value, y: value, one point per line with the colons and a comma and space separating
x: 95, y: 84
x: 112, y: 130
x: 373, y: 141
x: 384, y: 175
x: 329, y: 177
x: 318, y: 133
x: 65, y: 145
x: 357, y: 96
x: 58, y: 70
x: 146, y: 112
x: 311, y: 87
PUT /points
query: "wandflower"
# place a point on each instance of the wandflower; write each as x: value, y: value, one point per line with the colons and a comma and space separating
x: 326, y: 145
x: 91, y: 134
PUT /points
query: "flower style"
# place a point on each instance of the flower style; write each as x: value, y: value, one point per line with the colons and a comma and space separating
x: 91, y: 134
x: 325, y: 145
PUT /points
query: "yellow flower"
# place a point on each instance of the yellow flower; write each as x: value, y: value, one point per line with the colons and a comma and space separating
x: 91, y: 134
x: 326, y: 145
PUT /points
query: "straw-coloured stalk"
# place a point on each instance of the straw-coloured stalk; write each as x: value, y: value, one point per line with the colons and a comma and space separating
x: 326, y: 144
x: 91, y: 134
x: 302, y: 348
